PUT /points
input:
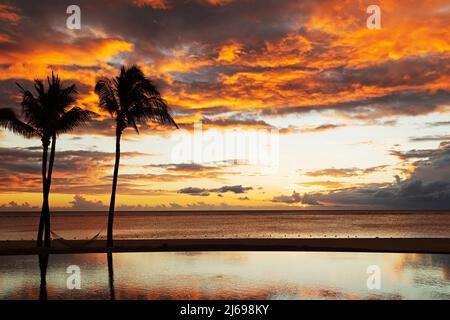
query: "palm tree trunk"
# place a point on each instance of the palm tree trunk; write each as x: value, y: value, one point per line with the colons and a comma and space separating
x: 112, y: 294
x: 47, y: 193
x: 45, y: 144
x: 43, y: 263
x: 113, y: 192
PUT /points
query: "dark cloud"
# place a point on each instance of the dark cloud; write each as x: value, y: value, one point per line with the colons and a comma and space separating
x: 308, y: 199
x: 29, y: 160
x: 20, y: 169
x: 82, y: 204
x: 410, y: 71
x: 438, y: 124
x: 430, y: 138
x: 416, y: 70
x: 296, y: 198
x: 14, y: 206
x: 83, y: 171
x: 9, y: 93
x: 409, y: 103
x: 436, y: 167
x: 162, y: 28
x: 185, y: 167
x: 289, y: 61
x: 414, y: 154
x: 238, y: 189
x: 178, y: 171
x: 410, y: 195
x: 194, y: 191
x: 175, y: 176
x: 200, y: 31
x: 233, y: 189
x: 234, y: 122
x: 428, y: 187
x: 79, y: 203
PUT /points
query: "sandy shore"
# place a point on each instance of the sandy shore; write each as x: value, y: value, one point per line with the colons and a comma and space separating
x: 399, y: 245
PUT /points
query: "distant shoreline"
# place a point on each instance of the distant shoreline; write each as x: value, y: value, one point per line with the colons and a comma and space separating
x: 231, y: 212
x: 382, y: 245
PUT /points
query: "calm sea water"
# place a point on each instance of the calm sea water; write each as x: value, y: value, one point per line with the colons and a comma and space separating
x: 228, y: 275
x: 170, y: 225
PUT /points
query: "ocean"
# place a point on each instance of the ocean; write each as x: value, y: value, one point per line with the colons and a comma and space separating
x: 229, y: 275
x: 233, y: 224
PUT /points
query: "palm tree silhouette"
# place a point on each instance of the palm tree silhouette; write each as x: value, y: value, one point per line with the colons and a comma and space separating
x: 47, y: 115
x: 112, y: 293
x: 131, y: 99
x: 34, y: 126
x: 43, y: 265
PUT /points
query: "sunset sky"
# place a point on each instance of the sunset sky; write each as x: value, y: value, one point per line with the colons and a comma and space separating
x: 359, y: 118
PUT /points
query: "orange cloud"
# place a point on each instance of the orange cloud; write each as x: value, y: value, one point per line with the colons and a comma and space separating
x: 408, y: 28
x: 5, y: 38
x: 42, y: 59
x: 87, y: 52
x: 229, y: 52
x: 344, y: 172
x: 155, y: 4
x: 332, y: 59
x: 292, y: 71
x: 219, y: 2
x: 166, y: 4
x: 9, y: 13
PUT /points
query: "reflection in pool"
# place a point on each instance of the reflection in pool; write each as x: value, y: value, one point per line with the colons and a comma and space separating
x: 226, y: 275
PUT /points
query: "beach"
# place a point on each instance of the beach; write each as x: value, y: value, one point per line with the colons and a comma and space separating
x: 351, y: 231
x: 385, y: 245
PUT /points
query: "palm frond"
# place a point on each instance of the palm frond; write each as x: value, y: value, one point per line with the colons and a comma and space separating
x: 32, y: 108
x: 107, y: 96
x: 44, y: 109
x: 73, y: 118
x: 132, y: 98
x: 66, y: 97
x: 155, y: 109
x: 9, y: 121
x: 134, y: 125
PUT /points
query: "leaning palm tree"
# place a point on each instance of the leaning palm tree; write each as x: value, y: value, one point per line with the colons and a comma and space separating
x: 47, y: 115
x: 63, y: 118
x: 34, y: 126
x: 131, y: 99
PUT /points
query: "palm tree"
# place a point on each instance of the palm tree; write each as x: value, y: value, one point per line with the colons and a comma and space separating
x: 43, y: 265
x: 47, y: 115
x: 64, y: 118
x: 131, y: 99
x: 34, y: 126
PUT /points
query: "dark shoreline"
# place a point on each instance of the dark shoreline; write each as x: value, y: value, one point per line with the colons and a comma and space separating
x: 228, y: 212
x: 382, y: 245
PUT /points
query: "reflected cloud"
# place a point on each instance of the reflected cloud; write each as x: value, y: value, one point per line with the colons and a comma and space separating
x: 228, y: 275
